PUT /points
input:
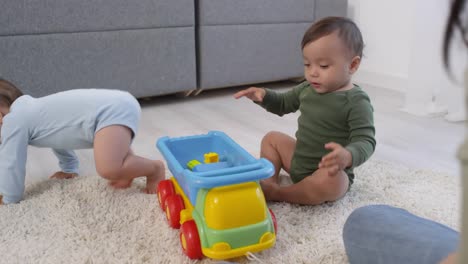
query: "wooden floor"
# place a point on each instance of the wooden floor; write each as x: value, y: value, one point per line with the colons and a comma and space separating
x: 417, y: 142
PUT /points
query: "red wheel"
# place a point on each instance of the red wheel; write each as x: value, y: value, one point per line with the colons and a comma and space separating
x: 273, y: 218
x: 165, y: 189
x: 174, y: 204
x: 190, y: 240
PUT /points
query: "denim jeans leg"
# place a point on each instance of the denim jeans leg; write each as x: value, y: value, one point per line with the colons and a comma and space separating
x: 381, y: 234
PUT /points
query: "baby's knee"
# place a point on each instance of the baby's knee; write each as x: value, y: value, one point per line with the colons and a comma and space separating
x: 109, y: 173
x: 271, y: 137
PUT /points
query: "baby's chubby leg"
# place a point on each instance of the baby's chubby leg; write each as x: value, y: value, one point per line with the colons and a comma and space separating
x: 320, y: 187
x: 315, y: 189
x: 278, y: 148
x: 117, y: 163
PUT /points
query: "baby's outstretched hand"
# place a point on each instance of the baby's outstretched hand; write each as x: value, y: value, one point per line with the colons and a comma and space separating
x: 63, y: 175
x: 338, y: 159
x: 255, y: 94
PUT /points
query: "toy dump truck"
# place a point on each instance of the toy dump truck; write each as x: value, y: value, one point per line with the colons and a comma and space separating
x: 214, y: 196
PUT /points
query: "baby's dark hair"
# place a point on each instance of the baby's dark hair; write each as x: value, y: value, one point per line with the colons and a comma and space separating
x: 348, y: 32
x: 8, y: 93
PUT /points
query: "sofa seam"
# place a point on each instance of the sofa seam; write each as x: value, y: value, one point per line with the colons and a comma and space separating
x: 90, y: 31
x: 197, y: 44
x: 252, y: 24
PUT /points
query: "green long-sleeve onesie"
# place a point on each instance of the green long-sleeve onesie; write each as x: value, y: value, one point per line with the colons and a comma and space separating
x: 343, y: 117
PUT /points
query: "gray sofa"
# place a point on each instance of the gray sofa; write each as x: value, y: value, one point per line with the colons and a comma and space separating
x: 154, y: 47
x: 251, y: 41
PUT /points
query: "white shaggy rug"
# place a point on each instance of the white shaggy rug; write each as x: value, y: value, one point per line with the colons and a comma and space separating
x: 84, y: 221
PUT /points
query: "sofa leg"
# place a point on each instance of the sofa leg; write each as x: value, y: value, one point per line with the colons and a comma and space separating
x: 188, y: 93
x: 197, y: 92
x: 185, y: 93
x: 297, y: 79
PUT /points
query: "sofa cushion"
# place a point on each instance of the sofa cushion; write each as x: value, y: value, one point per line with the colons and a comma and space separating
x: 324, y: 8
x: 60, y: 16
x: 235, y: 55
x: 144, y: 62
x: 228, y: 12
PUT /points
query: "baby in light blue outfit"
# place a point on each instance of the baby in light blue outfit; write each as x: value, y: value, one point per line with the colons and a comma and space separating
x: 106, y: 120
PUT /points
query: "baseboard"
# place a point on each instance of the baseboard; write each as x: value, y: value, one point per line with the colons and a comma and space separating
x: 400, y: 84
x: 427, y: 110
x: 381, y: 80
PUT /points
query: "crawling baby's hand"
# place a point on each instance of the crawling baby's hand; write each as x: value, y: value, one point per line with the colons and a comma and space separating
x: 1, y: 199
x: 63, y: 175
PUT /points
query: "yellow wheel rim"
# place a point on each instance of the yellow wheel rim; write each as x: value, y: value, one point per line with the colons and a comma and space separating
x: 168, y: 215
x: 184, y: 242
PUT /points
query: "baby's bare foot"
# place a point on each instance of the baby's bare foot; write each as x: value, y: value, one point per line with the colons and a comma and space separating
x: 158, y: 175
x: 63, y: 175
x: 269, y: 189
x: 120, y: 184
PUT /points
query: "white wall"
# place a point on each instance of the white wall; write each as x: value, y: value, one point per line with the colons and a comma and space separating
x: 387, y: 41
x: 403, y: 52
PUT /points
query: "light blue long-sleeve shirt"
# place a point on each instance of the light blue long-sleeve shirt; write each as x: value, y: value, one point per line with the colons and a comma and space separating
x: 63, y: 121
